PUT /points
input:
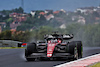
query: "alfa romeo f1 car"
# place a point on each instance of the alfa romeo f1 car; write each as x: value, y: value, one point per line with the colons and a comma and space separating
x: 54, y: 47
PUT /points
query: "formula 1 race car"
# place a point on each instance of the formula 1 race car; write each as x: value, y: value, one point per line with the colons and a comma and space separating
x: 54, y: 47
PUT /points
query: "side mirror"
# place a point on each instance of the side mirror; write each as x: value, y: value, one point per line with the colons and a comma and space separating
x: 71, y: 35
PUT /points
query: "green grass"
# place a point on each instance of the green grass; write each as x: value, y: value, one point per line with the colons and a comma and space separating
x: 96, y: 65
x: 11, y: 47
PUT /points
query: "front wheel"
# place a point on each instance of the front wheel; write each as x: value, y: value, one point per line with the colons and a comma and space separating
x: 31, y: 48
x: 26, y: 56
x: 30, y: 59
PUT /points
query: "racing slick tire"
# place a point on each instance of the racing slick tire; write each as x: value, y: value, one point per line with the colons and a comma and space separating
x: 28, y: 59
x: 75, y: 48
x: 76, y: 54
x: 79, y: 48
x: 31, y: 47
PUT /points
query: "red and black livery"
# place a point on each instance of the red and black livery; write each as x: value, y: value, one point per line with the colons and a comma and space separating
x: 54, y: 46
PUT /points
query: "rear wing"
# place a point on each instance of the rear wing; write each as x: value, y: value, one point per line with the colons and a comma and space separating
x: 59, y: 36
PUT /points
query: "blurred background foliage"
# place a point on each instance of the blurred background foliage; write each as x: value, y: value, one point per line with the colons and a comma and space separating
x: 88, y: 34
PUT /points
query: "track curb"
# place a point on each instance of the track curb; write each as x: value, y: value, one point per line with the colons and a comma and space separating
x: 83, y: 62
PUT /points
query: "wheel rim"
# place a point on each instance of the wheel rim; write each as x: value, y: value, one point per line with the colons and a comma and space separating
x: 75, y: 53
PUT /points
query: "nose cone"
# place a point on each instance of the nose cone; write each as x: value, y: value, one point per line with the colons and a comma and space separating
x: 50, y: 49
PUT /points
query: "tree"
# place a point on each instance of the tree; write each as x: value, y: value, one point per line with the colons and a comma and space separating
x: 38, y: 34
x: 96, y: 14
x: 18, y: 10
x: 6, y: 35
x: 24, y: 27
x: 42, y: 18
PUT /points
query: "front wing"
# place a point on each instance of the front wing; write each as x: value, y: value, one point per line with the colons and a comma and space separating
x: 39, y: 55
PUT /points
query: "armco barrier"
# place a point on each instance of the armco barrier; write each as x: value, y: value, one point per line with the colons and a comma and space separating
x: 83, y: 62
x: 9, y: 43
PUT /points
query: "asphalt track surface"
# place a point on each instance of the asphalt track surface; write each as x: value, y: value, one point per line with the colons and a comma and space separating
x: 15, y: 58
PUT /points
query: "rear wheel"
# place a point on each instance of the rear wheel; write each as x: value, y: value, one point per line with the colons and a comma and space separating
x: 76, y: 54
x: 80, y: 49
x: 75, y: 48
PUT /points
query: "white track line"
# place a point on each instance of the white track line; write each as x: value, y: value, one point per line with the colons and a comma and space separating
x: 76, y: 60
